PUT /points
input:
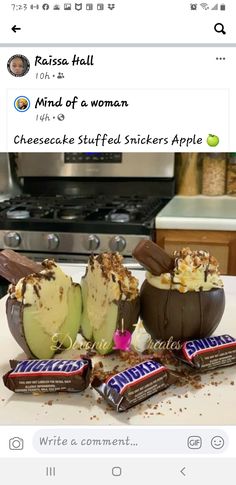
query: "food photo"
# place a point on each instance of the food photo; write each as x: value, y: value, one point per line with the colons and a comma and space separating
x: 117, y: 281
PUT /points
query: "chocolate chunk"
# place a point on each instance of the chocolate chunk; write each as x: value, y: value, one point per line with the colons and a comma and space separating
x: 153, y: 258
x: 14, y: 266
x: 28, y: 376
x: 133, y: 385
x: 208, y: 353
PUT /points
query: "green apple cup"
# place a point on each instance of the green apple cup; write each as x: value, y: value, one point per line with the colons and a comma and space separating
x: 110, y: 298
x: 44, y: 312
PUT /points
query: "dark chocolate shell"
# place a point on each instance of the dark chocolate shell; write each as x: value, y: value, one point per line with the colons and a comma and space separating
x: 182, y: 316
x: 129, y: 311
x: 14, y: 311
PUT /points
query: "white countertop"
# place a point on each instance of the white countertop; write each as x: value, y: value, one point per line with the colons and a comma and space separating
x: 214, y: 404
x: 199, y: 212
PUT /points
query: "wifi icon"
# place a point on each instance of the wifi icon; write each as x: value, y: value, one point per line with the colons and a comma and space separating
x: 205, y: 6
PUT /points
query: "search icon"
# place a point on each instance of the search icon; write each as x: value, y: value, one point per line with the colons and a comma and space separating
x: 219, y: 28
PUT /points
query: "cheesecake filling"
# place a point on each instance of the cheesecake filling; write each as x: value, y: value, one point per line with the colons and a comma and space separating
x: 47, y: 293
x: 108, y: 281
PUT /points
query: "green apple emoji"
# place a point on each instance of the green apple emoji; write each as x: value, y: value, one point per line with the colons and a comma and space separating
x: 212, y: 140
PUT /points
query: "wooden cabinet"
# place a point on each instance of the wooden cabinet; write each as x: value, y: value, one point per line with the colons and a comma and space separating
x: 221, y: 244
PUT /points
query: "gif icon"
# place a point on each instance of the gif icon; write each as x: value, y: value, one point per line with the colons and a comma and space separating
x: 194, y: 442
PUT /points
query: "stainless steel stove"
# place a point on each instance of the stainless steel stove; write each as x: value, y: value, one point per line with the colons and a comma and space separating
x: 67, y: 212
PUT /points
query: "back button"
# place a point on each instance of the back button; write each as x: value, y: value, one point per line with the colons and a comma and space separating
x: 15, y: 28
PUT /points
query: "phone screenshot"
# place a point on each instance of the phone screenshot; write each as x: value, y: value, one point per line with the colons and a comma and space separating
x: 117, y: 242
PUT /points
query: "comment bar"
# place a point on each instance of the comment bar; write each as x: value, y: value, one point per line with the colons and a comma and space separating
x: 129, y: 441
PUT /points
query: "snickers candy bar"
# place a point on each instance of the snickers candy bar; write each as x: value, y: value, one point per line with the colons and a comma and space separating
x: 133, y: 385
x: 208, y: 353
x: 30, y: 376
x: 153, y: 258
x: 14, y: 266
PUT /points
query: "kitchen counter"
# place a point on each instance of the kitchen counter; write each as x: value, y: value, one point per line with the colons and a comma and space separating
x: 213, y: 404
x: 199, y: 212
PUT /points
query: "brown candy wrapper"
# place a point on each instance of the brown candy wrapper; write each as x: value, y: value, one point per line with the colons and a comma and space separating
x: 14, y: 266
x: 153, y: 258
x: 134, y: 385
x: 208, y: 353
x: 29, y: 376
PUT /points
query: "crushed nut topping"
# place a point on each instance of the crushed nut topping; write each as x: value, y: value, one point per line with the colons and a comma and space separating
x: 193, y: 271
x: 112, y: 268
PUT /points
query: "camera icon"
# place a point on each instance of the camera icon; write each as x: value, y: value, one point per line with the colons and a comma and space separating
x: 16, y: 443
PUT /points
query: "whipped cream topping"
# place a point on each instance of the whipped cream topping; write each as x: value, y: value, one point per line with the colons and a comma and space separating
x: 140, y: 338
x: 193, y: 271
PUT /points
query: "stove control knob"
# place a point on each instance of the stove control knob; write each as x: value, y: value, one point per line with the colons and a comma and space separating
x: 117, y: 243
x: 92, y: 242
x: 12, y: 239
x: 53, y: 241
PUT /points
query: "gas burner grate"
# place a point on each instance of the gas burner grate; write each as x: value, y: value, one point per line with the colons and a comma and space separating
x: 67, y: 211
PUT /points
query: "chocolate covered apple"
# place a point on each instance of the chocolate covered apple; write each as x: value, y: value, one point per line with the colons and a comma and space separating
x: 110, y: 301
x: 185, y: 302
x: 43, y: 307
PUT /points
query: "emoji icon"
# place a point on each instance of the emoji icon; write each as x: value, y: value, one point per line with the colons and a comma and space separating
x: 217, y: 442
x: 213, y: 140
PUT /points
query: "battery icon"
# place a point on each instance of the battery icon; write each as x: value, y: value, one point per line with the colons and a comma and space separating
x: 222, y: 6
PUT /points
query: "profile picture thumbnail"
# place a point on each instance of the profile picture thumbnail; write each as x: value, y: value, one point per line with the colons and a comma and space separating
x: 22, y: 103
x: 18, y: 65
